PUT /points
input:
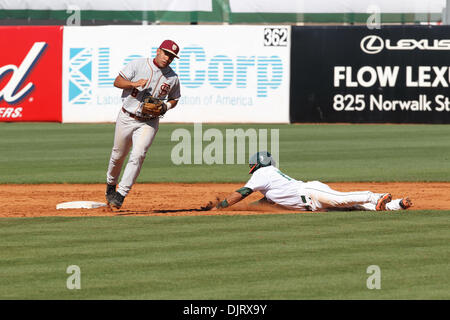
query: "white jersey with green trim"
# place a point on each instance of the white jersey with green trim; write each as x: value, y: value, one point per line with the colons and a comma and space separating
x: 277, y: 187
x: 162, y: 84
x: 311, y: 195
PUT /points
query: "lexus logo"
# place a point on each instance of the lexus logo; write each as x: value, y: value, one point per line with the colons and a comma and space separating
x: 372, y: 44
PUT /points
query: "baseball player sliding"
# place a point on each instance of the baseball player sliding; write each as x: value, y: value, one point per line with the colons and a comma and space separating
x: 278, y: 188
x: 150, y: 89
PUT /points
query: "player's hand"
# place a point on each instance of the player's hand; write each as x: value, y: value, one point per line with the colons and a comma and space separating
x: 140, y: 83
x: 209, y: 206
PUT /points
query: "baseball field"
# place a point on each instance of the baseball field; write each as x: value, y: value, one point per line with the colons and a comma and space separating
x: 160, y: 246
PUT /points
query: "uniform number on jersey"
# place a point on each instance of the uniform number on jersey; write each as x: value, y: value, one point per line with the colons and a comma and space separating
x: 275, y: 37
x: 283, y: 175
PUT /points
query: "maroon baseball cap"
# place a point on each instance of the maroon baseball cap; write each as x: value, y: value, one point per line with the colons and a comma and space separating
x: 170, y: 46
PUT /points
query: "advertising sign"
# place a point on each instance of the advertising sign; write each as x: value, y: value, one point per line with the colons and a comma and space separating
x: 227, y: 73
x: 30, y: 73
x: 398, y: 74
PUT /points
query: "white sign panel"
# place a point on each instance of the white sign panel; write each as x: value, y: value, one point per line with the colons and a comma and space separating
x: 228, y: 74
x: 110, y: 5
x: 333, y: 6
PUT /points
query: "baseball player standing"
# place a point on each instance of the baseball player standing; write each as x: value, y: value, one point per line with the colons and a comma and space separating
x: 140, y: 80
x: 278, y: 188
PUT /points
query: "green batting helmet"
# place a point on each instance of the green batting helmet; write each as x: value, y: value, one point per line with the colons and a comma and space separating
x: 259, y: 160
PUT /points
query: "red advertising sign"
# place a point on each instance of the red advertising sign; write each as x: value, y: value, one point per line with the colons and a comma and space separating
x: 31, y: 73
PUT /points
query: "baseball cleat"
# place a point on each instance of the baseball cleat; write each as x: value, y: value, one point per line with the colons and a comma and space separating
x: 405, y: 203
x: 110, y: 191
x: 116, y: 201
x: 381, y: 204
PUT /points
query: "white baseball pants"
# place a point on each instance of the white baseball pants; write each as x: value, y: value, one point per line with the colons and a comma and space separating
x: 322, y: 197
x: 129, y: 133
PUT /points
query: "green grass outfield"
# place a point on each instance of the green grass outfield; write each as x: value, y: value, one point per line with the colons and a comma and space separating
x: 79, y: 153
x: 294, y: 256
x: 304, y: 256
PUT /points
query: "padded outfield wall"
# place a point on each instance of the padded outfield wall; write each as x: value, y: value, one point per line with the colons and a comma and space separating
x: 233, y: 74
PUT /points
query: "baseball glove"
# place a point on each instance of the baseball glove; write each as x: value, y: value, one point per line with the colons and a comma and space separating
x: 153, y: 107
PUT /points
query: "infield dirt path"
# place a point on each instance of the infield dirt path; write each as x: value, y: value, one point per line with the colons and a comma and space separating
x: 184, y: 199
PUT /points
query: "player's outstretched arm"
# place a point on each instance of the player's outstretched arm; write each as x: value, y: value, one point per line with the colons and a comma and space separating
x: 233, y: 198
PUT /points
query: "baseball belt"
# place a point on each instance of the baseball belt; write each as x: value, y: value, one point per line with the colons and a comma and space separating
x: 307, y: 207
x: 135, y: 116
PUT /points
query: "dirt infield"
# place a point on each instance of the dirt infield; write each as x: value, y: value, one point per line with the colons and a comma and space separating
x: 184, y: 199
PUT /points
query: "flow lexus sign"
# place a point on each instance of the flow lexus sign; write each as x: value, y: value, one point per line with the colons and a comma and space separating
x: 353, y: 74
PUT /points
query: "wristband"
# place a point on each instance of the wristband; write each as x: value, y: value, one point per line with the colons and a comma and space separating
x: 222, y: 204
x: 244, y: 191
x: 169, y: 105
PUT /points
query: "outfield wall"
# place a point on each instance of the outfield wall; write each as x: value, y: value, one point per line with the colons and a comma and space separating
x: 233, y: 74
x: 236, y: 74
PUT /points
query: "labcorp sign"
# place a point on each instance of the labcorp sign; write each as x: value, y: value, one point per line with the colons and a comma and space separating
x: 239, y: 77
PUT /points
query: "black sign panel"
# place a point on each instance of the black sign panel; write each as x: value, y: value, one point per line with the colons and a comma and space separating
x: 396, y: 74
